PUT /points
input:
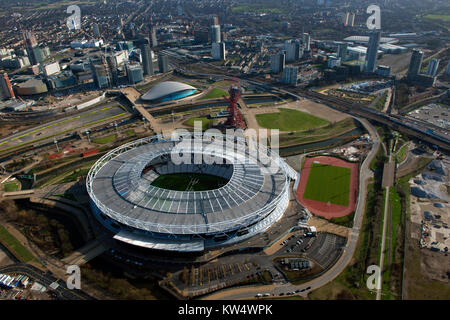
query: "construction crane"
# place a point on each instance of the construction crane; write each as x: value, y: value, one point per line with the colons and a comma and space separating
x: 235, y: 118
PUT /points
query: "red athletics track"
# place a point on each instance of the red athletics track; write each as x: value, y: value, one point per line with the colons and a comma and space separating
x: 324, y: 209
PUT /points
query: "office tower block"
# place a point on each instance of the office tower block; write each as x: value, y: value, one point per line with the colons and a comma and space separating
x: 294, y: 50
x: 277, y: 62
x: 372, y: 52
x: 307, y: 41
x: 215, y: 34
x: 163, y: 63
x: 342, y: 51
x: 433, y: 67
x: 218, y: 51
x: 415, y: 64
x: 290, y: 75
x: 135, y: 73
x: 147, y: 61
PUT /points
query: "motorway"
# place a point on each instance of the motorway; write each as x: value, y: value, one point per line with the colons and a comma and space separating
x: 62, y: 292
x: 107, y: 111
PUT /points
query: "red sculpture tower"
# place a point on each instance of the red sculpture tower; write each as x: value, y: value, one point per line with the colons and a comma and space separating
x: 235, y: 118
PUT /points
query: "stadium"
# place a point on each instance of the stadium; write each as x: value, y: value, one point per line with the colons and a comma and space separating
x: 149, y: 200
x: 168, y: 91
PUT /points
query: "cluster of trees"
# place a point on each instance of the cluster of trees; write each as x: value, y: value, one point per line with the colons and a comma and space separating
x: 120, y: 288
x: 26, y: 219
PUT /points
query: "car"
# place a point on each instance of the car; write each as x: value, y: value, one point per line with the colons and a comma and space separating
x: 281, y: 294
x: 297, y: 291
x: 309, y: 288
x: 266, y: 294
x: 259, y: 295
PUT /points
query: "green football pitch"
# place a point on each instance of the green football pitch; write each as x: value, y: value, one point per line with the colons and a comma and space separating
x: 328, y: 184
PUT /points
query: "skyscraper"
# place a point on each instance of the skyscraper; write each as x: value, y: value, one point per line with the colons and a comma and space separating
x: 218, y: 51
x: 277, y: 62
x: 293, y: 50
x: 307, y: 41
x: 290, y: 75
x: 153, y: 38
x: 215, y: 33
x: 32, y: 48
x: 415, y: 64
x: 112, y: 65
x: 342, y: 51
x: 147, y: 61
x: 163, y: 63
x: 433, y: 67
x: 372, y: 52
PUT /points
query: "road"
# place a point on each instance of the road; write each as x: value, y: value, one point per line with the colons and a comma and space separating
x: 344, y: 260
x: 62, y: 292
x: 387, y: 182
x: 63, y: 126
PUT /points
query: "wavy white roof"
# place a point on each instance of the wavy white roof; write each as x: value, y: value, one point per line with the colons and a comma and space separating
x: 165, y: 88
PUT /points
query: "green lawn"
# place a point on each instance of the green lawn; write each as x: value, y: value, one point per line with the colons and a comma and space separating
x: 215, y: 93
x: 13, y: 244
x: 75, y: 175
x: 438, y: 17
x: 328, y: 184
x: 10, y: 186
x: 290, y: 120
x: 192, y: 181
x: 205, y: 122
x: 105, y: 140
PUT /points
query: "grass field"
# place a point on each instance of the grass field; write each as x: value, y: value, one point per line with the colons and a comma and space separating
x: 105, y: 140
x: 438, y: 17
x: 191, y: 181
x: 290, y: 120
x: 13, y: 244
x: 215, y: 93
x: 10, y: 186
x: 328, y: 184
x: 205, y: 122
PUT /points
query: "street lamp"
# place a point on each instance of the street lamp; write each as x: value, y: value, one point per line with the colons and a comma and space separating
x: 56, y: 143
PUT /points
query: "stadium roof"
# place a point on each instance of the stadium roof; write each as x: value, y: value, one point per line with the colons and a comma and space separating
x: 118, y: 189
x: 166, y: 88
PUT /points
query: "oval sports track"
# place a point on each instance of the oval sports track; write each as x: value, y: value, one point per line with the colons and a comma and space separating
x: 328, y: 186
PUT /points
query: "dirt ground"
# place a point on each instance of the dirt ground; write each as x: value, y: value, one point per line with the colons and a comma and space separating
x: 325, y: 226
x: 4, y: 259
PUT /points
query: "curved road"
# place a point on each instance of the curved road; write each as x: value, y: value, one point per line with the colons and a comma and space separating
x: 344, y: 260
x: 62, y: 292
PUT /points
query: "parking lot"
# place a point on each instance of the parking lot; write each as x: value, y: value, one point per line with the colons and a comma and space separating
x: 433, y: 113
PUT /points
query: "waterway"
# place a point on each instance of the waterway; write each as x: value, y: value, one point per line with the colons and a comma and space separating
x: 324, y: 144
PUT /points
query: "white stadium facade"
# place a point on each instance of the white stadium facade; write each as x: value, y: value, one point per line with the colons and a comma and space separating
x: 168, y: 91
x: 251, y: 200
